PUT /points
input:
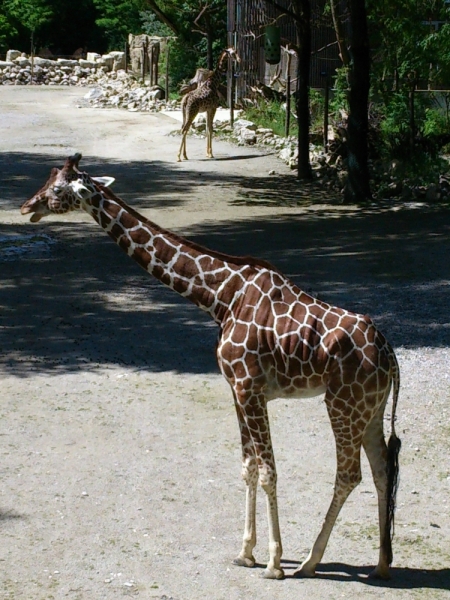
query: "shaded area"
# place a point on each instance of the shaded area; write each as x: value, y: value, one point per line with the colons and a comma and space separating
x: 83, y: 303
x: 401, y: 578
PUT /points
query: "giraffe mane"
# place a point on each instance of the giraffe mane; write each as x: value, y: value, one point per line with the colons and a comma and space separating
x: 230, y: 258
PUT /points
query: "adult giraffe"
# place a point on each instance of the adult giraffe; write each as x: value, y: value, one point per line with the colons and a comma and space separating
x: 275, y: 340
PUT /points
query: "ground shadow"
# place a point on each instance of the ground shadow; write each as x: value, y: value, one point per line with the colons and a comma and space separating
x: 401, y: 578
x: 79, y: 302
x: 9, y: 515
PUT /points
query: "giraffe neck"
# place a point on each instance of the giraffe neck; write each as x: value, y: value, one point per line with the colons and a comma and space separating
x: 219, y: 72
x: 206, y: 278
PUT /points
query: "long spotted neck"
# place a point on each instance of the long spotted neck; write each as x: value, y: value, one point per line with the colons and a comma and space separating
x: 215, y: 78
x: 206, y: 278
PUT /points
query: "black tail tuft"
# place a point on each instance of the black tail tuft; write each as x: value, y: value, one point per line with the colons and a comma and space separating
x: 394, y: 446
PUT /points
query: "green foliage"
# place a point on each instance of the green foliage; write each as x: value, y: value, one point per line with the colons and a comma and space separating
x: 339, y: 96
x: 271, y: 115
x: 31, y: 14
x: 189, y: 39
x: 7, y: 32
x: 316, y: 107
x: 118, y: 19
x: 152, y: 26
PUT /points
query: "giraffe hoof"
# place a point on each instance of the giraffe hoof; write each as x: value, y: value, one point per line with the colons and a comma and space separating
x: 305, y: 572
x: 244, y: 562
x: 272, y: 574
x: 380, y: 573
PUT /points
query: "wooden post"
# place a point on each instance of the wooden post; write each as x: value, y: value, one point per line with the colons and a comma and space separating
x: 167, y: 69
x: 288, y: 106
x: 32, y: 56
x: 155, y: 60
x: 325, y: 115
x: 232, y: 95
x: 144, y: 59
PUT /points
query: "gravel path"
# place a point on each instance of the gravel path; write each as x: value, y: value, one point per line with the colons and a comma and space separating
x: 120, y: 458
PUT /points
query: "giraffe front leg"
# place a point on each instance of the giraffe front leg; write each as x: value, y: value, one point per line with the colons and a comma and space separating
x: 250, y: 476
x: 254, y: 409
x: 209, y: 133
x: 182, y: 148
x: 268, y: 481
x: 245, y: 557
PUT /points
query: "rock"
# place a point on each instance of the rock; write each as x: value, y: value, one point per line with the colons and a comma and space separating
x: 86, y: 64
x: 247, y: 136
x: 22, y: 61
x: 286, y: 154
x: 66, y: 62
x: 118, y: 60
x: 157, y: 93
x: 92, y: 56
x: 12, y: 55
x: 43, y: 62
x: 243, y: 123
x: 94, y: 94
x: 432, y: 194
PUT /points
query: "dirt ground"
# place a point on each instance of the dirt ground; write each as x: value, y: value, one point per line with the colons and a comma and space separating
x: 120, y: 457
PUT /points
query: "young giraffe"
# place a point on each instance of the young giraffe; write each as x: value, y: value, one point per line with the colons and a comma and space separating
x: 275, y: 340
x: 204, y: 99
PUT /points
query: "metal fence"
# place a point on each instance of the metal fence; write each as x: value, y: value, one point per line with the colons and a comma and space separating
x: 247, y: 20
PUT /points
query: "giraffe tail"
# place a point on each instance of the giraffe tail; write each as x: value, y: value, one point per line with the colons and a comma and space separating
x: 393, y: 467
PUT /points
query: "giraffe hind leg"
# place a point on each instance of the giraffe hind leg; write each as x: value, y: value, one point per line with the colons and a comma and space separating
x: 348, y: 476
x: 384, y: 467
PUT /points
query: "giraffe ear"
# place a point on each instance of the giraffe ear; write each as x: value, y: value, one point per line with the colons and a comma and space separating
x: 105, y: 181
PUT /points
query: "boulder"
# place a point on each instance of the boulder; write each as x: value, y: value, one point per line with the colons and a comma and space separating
x: 43, y: 62
x: 118, y: 60
x: 247, y: 136
x: 67, y: 62
x: 86, y: 64
x: 12, y: 55
x: 22, y: 61
x: 243, y: 123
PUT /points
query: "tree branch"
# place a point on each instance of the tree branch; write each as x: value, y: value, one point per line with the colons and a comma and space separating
x: 163, y: 17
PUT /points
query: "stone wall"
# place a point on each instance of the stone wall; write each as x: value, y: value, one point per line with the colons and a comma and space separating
x: 17, y: 69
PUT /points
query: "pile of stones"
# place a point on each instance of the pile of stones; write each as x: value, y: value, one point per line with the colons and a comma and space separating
x: 20, y: 69
x: 122, y: 90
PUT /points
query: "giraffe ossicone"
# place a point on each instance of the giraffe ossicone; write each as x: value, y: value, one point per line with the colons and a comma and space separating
x: 275, y: 341
x: 204, y: 99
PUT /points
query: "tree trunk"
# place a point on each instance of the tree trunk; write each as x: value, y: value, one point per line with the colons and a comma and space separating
x: 303, y: 28
x: 301, y: 14
x: 357, y: 188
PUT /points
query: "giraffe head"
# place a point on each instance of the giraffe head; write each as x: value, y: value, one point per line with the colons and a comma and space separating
x: 228, y: 53
x: 64, y: 191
